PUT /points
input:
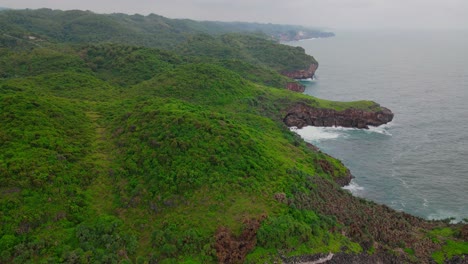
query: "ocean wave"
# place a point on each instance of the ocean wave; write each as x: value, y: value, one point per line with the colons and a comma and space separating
x: 311, y: 133
x: 306, y: 80
x: 380, y: 129
x: 425, y: 203
x: 443, y: 214
x: 354, y: 188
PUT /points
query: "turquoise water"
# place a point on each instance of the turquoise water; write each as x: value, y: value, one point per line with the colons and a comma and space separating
x: 419, y: 162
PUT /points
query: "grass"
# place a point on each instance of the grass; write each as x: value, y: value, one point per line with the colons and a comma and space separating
x: 101, y: 190
x: 450, y: 250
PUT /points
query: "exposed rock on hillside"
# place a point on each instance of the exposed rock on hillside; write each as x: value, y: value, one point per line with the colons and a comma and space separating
x: 233, y: 249
x: 464, y: 232
x: 301, y: 115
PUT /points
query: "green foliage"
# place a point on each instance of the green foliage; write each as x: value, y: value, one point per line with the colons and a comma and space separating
x: 103, y: 240
x: 76, y: 26
x: 127, y: 65
x: 42, y: 170
x: 69, y: 85
x: 288, y: 232
x: 255, y: 73
x: 249, y: 48
x: 38, y: 61
x: 202, y: 84
x: 182, y: 134
x: 119, y: 154
x: 450, y: 250
x: 439, y: 234
x: 301, y: 232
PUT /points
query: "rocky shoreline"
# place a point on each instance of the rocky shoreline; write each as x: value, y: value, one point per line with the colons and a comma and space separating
x: 308, y: 73
x: 300, y: 75
x: 301, y: 115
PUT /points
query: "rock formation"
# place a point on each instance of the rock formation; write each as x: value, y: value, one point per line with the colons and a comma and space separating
x: 295, y: 87
x: 233, y: 249
x: 302, y: 74
x: 301, y: 115
x: 464, y: 232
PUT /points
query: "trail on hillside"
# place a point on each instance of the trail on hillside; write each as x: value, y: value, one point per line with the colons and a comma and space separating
x: 101, y: 187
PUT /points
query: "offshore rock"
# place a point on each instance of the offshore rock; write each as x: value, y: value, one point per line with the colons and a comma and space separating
x: 301, y: 115
x: 302, y: 74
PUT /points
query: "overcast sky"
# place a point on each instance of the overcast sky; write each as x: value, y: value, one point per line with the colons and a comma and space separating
x: 330, y: 14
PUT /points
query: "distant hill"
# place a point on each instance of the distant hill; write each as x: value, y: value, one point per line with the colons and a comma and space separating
x: 276, y: 31
x: 151, y: 31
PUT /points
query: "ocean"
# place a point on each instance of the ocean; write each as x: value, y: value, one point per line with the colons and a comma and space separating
x: 418, y: 163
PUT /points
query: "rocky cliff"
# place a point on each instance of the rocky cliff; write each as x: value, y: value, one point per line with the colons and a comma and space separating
x: 301, y: 115
x: 295, y: 87
x: 302, y: 74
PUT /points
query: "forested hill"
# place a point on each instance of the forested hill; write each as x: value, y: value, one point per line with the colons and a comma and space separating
x: 151, y: 31
x: 124, y: 153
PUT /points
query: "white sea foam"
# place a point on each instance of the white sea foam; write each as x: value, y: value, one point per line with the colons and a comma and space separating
x: 306, y: 80
x: 354, y: 188
x: 307, y: 39
x: 443, y: 214
x: 311, y: 133
x: 426, y: 203
x: 380, y: 129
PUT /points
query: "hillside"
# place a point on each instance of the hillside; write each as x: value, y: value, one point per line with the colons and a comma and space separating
x: 151, y: 31
x: 126, y: 154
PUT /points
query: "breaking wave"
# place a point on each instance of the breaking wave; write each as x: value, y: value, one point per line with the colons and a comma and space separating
x: 354, y: 188
x: 315, y: 134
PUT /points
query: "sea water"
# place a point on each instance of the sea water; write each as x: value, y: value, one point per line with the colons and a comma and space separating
x: 418, y: 163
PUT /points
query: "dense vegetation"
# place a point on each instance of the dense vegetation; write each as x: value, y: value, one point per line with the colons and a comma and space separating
x: 77, y: 26
x: 123, y: 154
x: 249, y: 48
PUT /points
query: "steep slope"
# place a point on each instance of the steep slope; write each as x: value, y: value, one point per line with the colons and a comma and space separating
x: 250, y: 48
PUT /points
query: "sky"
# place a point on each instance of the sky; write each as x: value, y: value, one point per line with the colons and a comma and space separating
x: 326, y: 14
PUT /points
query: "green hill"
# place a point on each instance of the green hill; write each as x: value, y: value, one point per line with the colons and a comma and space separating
x: 151, y: 31
x: 114, y: 153
x: 249, y: 48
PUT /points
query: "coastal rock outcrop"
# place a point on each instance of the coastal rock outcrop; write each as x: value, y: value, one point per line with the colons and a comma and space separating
x: 295, y: 87
x: 301, y: 115
x: 302, y: 74
x: 342, y: 179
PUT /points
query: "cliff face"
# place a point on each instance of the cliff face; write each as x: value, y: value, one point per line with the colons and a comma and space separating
x: 301, y: 115
x: 302, y: 74
x: 295, y: 87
